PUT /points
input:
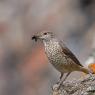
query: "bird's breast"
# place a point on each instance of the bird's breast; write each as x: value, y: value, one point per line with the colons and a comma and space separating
x: 54, y: 53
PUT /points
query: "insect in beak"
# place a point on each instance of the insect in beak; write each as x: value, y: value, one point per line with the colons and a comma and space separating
x: 35, y: 38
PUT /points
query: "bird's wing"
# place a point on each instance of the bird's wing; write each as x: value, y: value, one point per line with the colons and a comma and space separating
x: 69, y: 54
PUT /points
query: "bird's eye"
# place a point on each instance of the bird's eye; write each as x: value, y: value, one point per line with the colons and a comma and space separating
x: 45, y: 33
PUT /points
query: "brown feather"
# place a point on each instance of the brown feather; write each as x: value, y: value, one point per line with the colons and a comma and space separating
x: 70, y: 54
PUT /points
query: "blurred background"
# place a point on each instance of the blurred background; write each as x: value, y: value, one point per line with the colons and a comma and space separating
x: 24, y: 68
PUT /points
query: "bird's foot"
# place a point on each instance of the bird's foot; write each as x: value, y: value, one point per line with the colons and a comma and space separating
x: 59, y: 84
x: 56, y: 90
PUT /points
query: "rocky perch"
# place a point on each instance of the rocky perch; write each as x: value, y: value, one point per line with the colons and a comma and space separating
x: 83, y: 86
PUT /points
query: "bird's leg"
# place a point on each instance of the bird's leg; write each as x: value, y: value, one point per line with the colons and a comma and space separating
x: 61, y: 82
x: 60, y: 79
x: 61, y: 76
x: 66, y: 77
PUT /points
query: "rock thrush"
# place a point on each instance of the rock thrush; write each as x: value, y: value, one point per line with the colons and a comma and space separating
x: 59, y: 55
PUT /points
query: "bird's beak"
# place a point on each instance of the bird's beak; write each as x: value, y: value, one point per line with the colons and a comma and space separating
x: 35, y: 38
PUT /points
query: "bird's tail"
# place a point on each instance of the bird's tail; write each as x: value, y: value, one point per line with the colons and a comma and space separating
x: 85, y: 70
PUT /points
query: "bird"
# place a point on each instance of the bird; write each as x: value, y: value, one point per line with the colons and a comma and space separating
x: 59, y: 55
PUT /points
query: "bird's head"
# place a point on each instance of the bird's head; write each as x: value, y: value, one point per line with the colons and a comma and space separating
x: 44, y: 36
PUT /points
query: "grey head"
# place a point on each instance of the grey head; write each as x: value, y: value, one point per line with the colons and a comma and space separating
x: 43, y: 36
